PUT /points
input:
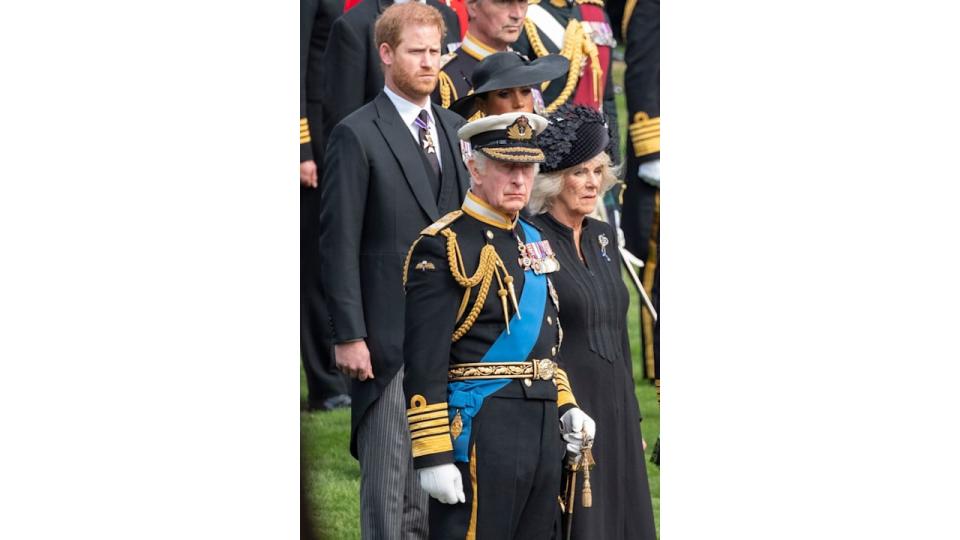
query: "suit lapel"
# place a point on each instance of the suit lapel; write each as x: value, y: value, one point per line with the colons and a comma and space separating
x: 404, y: 148
x: 462, y: 178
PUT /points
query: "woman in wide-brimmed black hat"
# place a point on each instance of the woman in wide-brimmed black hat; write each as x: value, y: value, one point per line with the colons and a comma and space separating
x: 507, y: 82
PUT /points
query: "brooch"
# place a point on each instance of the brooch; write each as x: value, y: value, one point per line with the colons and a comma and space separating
x: 604, y: 241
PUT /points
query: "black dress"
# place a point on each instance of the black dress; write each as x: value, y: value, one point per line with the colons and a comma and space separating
x: 595, y: 353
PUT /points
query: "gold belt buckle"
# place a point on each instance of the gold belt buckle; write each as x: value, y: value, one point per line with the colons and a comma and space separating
x: 543, y: 369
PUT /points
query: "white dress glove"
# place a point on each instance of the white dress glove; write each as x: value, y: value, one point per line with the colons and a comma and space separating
x: 572, y: 423
x: 443, y: 483
x: 650, y: 172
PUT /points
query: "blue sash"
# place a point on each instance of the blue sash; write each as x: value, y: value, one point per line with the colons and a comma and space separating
x: 467, y: 396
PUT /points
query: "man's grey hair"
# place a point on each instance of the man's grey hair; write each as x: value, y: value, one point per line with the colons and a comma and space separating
x: 547, y: 186
x: 481, y: 161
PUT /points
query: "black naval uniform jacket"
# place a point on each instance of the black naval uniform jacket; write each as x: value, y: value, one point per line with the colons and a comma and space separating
x: 642, y: 86
x: 433, y: 298
x: 571, y: 10
x: 456, y: 71
x: 316, y: 18
x: 349, y: 74
x: 376, y: 199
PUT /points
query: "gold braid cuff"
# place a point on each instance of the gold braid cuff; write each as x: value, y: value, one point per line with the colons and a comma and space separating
x: 564, y: 390
x: 645, y: 134
x: 304, y: 131
x: 429, y: 427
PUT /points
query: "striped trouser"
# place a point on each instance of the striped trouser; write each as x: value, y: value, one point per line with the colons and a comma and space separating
x: 392, y: 505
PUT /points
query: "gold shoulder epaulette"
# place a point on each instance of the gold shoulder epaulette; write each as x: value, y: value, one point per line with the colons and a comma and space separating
x: 445, y: 59
x: 441, y: 223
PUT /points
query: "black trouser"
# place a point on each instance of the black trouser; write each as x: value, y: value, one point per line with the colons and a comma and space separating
x: 514, y: 474
x: 316, y: 348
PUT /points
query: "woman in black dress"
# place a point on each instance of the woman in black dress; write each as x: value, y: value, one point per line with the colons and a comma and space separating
x: 595, y: 350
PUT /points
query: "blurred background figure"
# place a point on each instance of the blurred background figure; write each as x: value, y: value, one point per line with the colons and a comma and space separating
x: 326, y: 386
x: 641, y: 199
x: 458, y: 6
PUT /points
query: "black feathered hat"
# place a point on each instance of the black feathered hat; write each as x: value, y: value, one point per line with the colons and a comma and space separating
x: 575, y: 134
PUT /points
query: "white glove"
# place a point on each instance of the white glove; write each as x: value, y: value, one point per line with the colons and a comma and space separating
x: 650, y: 172
x: 572, y: 423
x: 443, y: 483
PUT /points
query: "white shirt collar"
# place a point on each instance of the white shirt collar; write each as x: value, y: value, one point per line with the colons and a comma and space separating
x: 408, y: 111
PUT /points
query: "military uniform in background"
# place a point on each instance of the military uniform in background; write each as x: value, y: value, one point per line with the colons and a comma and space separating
x: 641, y: 200
x: 580, y: 31
x: 326, y: 386
x: 456, y: 71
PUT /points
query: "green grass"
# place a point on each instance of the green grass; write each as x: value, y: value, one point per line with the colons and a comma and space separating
x: 331, y: 476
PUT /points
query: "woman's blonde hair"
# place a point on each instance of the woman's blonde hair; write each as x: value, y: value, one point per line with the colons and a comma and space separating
x: 547, y: 186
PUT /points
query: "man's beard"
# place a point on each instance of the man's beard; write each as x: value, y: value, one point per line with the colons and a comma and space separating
x: 413, y: 85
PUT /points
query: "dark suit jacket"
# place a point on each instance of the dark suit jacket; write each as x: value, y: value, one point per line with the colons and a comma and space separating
x: 353, y: 61
x: 376, y: 200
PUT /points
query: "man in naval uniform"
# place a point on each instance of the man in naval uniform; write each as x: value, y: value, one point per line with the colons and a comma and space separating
x: 481, y: 336
x: 641, y: 199
x: 580, y: 31
x: 494, y: 26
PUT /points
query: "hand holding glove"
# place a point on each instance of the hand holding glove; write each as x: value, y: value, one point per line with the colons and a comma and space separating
x: 572, y: 425
x: 443, y: 483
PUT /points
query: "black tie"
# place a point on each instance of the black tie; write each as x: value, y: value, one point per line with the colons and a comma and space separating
x: 426, y: 141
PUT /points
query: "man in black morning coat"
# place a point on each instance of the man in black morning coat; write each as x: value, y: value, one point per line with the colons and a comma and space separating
x: 326, y: 387
x: 351, y: 74
x: 379, y: 191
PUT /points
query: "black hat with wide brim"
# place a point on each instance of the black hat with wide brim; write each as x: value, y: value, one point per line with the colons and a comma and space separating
x: 508, y: 70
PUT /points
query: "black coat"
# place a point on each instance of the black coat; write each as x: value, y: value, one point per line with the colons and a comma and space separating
x: 316, y: 18
x: 376, y: 200
x: 353, y: 61
x: 642, y: 86
x: 596, y: 357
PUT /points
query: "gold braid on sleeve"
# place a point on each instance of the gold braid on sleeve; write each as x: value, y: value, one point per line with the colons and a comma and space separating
x: 486, y: 270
